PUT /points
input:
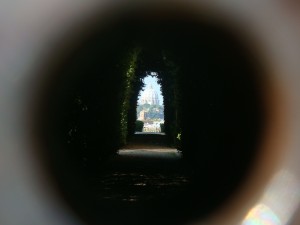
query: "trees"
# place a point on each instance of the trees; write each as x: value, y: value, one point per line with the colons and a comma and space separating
x: 153, y: 111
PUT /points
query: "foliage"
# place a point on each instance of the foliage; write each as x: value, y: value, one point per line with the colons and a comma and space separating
x: 162, y: 127
x: 170, y: 90
x: 139, y: 125
x: 153, y: 111
x: 129, y: 77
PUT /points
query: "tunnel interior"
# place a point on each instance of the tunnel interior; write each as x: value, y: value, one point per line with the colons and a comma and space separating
x: 212, y: 88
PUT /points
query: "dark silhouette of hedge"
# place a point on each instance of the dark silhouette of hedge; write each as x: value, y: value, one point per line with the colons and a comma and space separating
x: 139, y: 125
x: 162, y: 127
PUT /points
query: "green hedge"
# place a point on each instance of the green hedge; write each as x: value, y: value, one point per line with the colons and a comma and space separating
x: 139, y: 125
x: 162, y: 127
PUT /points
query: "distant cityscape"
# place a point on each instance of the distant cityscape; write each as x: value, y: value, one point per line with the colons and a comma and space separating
x: 150, y: 109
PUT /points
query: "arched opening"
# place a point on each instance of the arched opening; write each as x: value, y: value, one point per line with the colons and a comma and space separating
x: 150, y: 108
x: 213, y: 115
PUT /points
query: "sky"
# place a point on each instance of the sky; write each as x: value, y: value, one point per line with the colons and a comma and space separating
x: 153, y: 80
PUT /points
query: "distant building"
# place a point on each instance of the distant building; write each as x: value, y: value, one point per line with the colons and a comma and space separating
x: 149, y: 96
x: 142, y: 115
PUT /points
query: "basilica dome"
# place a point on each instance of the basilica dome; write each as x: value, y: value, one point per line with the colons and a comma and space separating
x: 149, y: 96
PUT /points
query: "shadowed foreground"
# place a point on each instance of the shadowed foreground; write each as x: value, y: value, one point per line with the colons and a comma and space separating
x: 142, y: 185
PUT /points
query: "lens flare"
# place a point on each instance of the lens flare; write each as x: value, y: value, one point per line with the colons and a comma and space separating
x: 261, y: 215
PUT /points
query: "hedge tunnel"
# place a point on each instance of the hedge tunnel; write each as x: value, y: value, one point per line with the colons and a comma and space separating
x: 212, y: 88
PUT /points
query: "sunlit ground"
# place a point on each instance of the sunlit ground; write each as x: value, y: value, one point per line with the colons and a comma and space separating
x: 162, y: 153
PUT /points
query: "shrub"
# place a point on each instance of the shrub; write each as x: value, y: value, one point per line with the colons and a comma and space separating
x: 162, y: 127
x: 139, y: 125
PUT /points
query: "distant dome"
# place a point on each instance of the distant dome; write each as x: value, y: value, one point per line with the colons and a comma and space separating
x: 149, y: 96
